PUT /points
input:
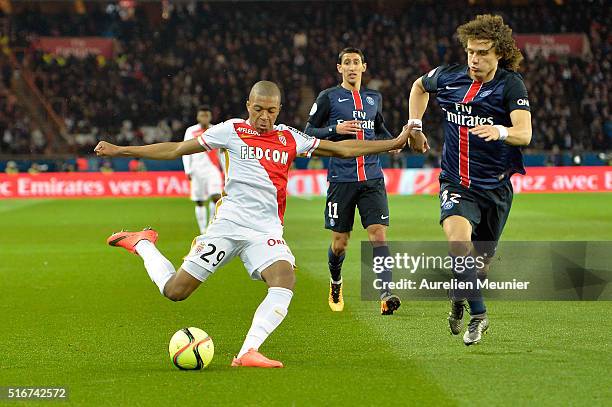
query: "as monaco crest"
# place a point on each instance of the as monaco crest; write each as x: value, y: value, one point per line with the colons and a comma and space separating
x: 282, y: 138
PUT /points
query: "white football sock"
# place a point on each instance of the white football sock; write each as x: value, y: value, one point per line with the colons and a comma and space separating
x: 158, y: 267
x: 268, y: 317
x: 201, y: 217
x: 212, y: 206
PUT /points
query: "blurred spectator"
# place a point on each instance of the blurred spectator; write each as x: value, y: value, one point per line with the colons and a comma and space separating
x: 136, y: 165
x: 67, y: 167
x: 11, y: 168
x: 397, y: 160
x: 432, y: 159
x: 38, y: 142
x: 107, y: 167
x: 34, y: 169
x: 315, y: 163
x: 555, y: 158
x: 82, y: 164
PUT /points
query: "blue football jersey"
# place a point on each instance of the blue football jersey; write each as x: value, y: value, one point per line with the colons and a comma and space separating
x: 467, y: 159
x: 337, y: 104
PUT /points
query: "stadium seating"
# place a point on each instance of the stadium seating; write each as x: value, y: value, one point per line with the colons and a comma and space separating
x: 212, y: 53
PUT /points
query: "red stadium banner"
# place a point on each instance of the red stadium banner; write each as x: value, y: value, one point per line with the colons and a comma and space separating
x: 403, y: 182
x: 425, y: 181
x: 94, y: 185
x: 564, y: 179
x: 557, y: 44
x: 79, y: 47
x: 300, y: 183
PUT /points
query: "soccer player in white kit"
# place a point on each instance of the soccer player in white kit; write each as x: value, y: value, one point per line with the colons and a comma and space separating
x: 203, y: 170
x: 249, y: 219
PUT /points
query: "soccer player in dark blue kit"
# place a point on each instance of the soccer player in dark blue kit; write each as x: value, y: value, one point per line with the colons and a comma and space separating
x: 350, y: 110
x: 486, y: 118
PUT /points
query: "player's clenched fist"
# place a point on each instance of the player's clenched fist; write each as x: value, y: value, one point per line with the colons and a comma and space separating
x: 106, y: 149
x: 418, y: 141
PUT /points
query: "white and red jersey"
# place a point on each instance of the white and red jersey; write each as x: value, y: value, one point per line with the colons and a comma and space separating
x: 201, y: 163
x: 257, y: 168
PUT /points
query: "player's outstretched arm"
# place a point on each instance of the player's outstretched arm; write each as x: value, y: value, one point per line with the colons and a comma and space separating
x: 158, y: 151
x: 356, y: 148
x: 517, y: 135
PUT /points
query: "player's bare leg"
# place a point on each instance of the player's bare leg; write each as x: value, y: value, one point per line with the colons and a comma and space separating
x: 335, y: 256
x: 458, y: 231
x: 180, y: 286
x: 176, y: 286
x: 280, y: 278
x: 377, y: 234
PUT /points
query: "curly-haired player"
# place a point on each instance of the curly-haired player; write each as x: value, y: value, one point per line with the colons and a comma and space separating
x: 486, y: 118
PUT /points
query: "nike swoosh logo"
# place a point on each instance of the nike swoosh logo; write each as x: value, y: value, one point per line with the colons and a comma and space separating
x: 453, y: 87
x: 384, y: 217
x: 342, y: 100
x: 117, y: 240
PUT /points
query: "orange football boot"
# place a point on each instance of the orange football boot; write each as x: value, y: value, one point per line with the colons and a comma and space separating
x: 336, y: 299
x: 128, y: 240
x: 255, y: 359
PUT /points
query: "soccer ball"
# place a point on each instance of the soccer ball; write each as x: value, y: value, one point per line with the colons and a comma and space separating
x: 191, y: 349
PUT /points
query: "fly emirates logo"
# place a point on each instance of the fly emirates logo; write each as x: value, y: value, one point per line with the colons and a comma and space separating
x: 463, y: 116
x: 361, y: 116
x: 258, y: 153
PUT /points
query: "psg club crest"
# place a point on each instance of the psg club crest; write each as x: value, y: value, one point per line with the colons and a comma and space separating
x: 370, y: 101
x: 282, y: 139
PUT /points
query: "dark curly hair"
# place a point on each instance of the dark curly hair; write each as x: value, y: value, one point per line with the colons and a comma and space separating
x: 490, y: 27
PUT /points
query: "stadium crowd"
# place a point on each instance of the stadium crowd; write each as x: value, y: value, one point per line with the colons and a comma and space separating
x: 211, y: 53
x: 18, y: 134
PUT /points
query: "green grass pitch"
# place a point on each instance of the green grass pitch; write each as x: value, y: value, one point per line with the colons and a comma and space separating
x: 77, y: 313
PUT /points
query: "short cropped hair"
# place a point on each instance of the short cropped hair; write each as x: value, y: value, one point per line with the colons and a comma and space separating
x: 350, y: 50
x: 265, y: 88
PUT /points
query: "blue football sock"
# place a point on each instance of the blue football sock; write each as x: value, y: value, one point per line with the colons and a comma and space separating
x: 335, y: 264
x: 474, y: 298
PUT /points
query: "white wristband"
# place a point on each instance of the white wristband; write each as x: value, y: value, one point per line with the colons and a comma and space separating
x: 503, y: 132
x: 418, y: 124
